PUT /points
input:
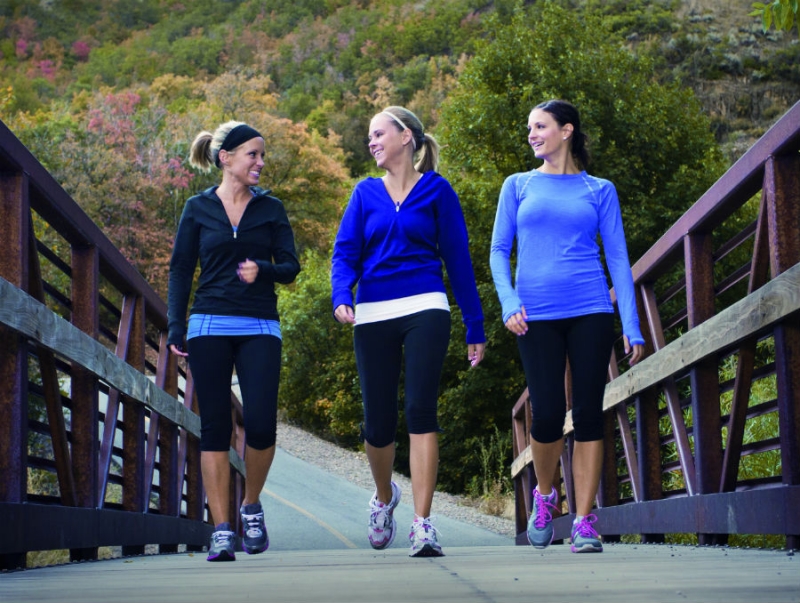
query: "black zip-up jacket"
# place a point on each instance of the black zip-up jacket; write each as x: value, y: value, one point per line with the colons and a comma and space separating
x: 264, y: 235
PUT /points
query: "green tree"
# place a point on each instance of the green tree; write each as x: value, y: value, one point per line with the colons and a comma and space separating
x: 650, y: 139
x: 319, y: 383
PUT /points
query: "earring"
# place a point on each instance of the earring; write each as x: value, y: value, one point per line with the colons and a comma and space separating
x: 565, y: 138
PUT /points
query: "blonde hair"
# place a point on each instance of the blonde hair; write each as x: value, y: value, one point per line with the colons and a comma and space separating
x: 423, y: 143
x: 205, y: 147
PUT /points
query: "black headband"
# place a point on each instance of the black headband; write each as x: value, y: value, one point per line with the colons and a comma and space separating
x: 238, y: 135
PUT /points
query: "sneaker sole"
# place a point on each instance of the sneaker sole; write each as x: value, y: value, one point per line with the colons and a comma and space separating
x: 540, y: 545
x: 428, y: 551
x: 223, y: 556
x: 255, y: 550
x: 587, y: 548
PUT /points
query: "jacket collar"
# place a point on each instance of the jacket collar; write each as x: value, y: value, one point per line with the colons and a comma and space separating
x: 257, y: 191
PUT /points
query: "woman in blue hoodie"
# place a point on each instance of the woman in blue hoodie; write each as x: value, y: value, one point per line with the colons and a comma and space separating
x: 395, y: 233
x: 242, y: 238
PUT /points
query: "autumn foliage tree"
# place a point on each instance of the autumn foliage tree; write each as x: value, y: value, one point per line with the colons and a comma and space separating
x: 122, y: 156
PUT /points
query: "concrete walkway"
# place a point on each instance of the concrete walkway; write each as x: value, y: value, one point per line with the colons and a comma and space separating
x: 307, y: 508
x: 623, y: 573
x: 319, y: 554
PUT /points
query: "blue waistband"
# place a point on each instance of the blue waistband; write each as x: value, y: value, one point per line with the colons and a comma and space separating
x: 213, y: 324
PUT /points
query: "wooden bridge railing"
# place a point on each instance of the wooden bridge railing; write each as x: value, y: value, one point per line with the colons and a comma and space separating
x: 703, y: 436
x: 98, y: 441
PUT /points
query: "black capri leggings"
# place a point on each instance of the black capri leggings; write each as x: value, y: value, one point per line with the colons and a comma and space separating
x: 257, y: 359
x: 380, y: 348
x: 587, y: 341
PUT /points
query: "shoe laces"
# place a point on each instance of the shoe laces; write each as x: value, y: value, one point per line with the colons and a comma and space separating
x: 379, y: 513
x: 584, y: 527
x: 423, y: 530
x: 254, y: 523
x: 544, y: 509
x: 221, y: 537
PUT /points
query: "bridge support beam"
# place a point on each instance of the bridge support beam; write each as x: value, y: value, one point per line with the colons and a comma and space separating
x: 13, y: 352
x: 704, y: 376
x: 85, y: 415
x: 782, y: 195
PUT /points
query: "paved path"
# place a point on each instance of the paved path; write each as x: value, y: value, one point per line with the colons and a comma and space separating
x: 319, y: 554
x: 309, y: 509
x: 485, y: 574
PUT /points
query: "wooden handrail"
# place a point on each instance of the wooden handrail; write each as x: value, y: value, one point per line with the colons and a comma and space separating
x: 115, y: 343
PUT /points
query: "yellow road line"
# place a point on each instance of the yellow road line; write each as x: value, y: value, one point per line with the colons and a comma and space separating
x: 322, y: 524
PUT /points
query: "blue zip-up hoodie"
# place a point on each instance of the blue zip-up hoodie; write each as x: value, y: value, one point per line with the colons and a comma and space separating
x: 264, y: 235
x: 396, y: 251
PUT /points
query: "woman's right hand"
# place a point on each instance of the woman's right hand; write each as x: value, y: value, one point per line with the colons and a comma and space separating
x: 177, y: 350
x: 344, y: 314
x: 517, y: 323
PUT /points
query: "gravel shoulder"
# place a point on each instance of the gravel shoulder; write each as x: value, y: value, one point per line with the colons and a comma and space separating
x: 353, y: 467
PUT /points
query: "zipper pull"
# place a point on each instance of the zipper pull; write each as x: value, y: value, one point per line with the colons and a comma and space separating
x: 235, y: 228
x: 397, y: 206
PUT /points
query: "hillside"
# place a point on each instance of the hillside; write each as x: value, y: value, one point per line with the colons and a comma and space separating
x: 756, y: 77
x: 744, y: 78
x: 331, y: 61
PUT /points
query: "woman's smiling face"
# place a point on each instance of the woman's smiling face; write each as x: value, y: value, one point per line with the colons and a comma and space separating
x: 247, y: 161
x: 545, y: 135
x: 385, y: 139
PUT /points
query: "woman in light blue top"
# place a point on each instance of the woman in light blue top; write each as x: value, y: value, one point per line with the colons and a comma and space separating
x: 559, y: 305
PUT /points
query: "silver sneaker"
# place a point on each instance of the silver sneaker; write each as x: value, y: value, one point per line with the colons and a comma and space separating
x: 254, y: 533
x: 382, y: 524
x: 222, y: 543
x: 423, y: 539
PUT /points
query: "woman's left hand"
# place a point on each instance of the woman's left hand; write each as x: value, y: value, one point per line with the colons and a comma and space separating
x: 475, y: 353
x: 247, y: 271
x: 638, y: 350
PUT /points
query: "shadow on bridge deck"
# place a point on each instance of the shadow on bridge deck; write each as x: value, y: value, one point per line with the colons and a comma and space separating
x: 483, y: 574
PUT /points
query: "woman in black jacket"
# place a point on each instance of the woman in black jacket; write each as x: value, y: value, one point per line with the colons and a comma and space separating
x: 243, y: 240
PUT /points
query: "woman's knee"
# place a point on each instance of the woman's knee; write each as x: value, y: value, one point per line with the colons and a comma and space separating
x: 587, y: 426
x: 547, y: 433
x: 261, y: 439
x: 379, y: 435
x: 214, y: 440
x: 547, y: 424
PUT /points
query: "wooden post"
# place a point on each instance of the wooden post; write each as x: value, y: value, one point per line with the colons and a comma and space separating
x: 782, y: 188
x: 190, y: 452
x: 608, y: 490
x: 169, y: 474
x: 133, y: 440
x: 704, y: 376
x: 648, y: 445
x: 14, y: 227
x: 84, y: 387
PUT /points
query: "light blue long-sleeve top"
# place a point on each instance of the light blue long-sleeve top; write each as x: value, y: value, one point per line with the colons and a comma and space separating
x: 555, y: 219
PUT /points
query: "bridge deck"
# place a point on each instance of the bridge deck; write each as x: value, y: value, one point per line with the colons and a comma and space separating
x: 482, y: 574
